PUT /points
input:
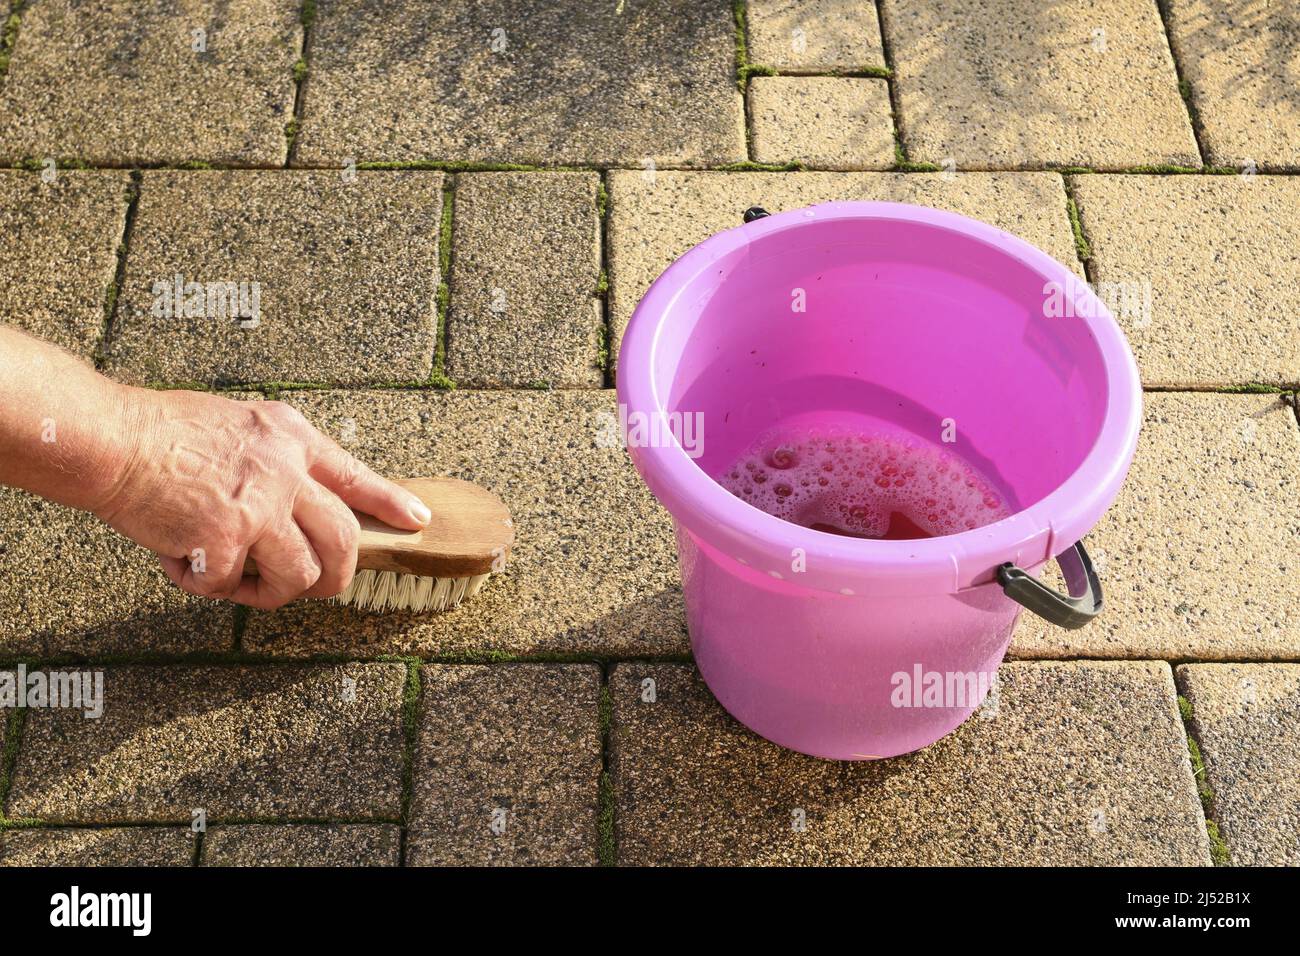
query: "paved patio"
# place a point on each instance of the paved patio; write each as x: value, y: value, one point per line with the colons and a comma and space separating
x: 451, y: 210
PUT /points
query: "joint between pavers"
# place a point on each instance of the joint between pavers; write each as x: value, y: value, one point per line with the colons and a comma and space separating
x: 410, y: 734
x: 13, y: 729
x: 9, y: 36
x: 606, y: 797
x: 604, y: 355
x: 1184, y: 85
x: 114, y: 290
x: 1082, y: 247
x: 438, y: 377
x: 300, y: 71
x: 902, y: 162
x: 1218, y: 848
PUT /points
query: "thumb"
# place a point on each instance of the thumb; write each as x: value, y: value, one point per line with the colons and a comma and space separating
x: 364, y: 491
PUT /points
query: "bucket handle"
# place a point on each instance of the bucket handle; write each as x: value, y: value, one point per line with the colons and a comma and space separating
x: 1072, y: 610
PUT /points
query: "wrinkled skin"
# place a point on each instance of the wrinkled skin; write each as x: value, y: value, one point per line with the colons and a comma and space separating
x: 206, y: 482
x: 224, y: 481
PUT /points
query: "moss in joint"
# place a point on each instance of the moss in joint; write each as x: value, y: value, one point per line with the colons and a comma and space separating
x: 1081, y: 245
x: 9, y: 37
x: 606, y: 846
x: 749, y: 166
x: 1218, y: 849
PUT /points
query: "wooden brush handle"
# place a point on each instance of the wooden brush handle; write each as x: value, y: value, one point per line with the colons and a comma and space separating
x: 471, y: 531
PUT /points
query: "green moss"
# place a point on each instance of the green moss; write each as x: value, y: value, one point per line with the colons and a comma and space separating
x: 439, y: 377
x: 602, y: 199
x: 12, y: 727
x: 540, y: 385
x: 749, y: 166
x: 910, y: 167
x: 9, y: 36
x: 1081, y: 246
x: 203, y: 164
x: 866, y: 72
x: 606, y: 845
x: 602, y: 284
x: 113, y: 290
x: 1253, y: 388
x: 1166, y: 169
x: 467, y: 167
x: 291, y: 131
x: 410, y: 730
x: 307, y: 16
x: 1218, y: 849
x: 300, y: 70
x: 738, y: 13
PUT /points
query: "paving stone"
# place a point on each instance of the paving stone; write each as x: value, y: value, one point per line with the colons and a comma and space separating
x: 335, y: 844
x: 1245, y: 718
x: 112, y: 846
x: 507, y: 766
x: 1223, y: 268
x: 828, y: 122
x: 236, y: 742
x: 814, y: 36
x: 1012, y: 85
x: 1197, y: 557
x: 1081, y: 764
x: 593, y: 569
x: 526, y: 266
x: 346, y: 277
x: 654, y: 218
x: 562, y: 83
x: 75, y: 587
x: 77, y: 218
x: 1242, y: 61
x: 122, y: 83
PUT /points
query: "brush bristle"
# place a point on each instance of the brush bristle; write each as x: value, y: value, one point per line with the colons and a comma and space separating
x: 390, y: 591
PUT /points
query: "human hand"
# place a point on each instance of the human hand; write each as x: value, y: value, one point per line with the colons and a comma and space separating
x: 209, y: 482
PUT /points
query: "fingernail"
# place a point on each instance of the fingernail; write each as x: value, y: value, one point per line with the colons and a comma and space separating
x: 420, y: 511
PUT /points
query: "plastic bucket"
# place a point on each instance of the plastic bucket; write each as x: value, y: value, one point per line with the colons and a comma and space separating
x: 915, y: 320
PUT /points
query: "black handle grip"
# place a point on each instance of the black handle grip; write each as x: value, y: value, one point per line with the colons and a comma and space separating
x: 1072, y: 610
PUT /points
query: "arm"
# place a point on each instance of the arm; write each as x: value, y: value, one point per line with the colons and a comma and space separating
x: 204, y: 481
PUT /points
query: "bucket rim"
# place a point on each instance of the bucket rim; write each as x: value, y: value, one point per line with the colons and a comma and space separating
x: 851, y: 566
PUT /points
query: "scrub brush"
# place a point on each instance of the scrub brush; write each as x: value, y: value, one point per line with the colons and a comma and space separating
x: 436, y: 568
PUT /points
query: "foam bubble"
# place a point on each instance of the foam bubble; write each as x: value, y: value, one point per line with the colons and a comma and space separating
x: 864, y: 485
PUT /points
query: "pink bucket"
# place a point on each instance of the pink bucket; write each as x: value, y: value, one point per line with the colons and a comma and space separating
x: 914, y: 320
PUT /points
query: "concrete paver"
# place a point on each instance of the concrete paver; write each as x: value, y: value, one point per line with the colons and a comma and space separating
x: 334, y: 278
x: 1009, y: 85
x: 526, y: 267
x: 161, y: 82
x: 562, y: 83
x: 234, y: 742
x: 825, y: 122
x: 1245, y: 717
x: 1080, y: 764
x: 506, y: 766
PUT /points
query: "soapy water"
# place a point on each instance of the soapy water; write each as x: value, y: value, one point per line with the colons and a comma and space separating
x: 864, y: 485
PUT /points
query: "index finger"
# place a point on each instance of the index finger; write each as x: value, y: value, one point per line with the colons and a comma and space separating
x: 363, y: 490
